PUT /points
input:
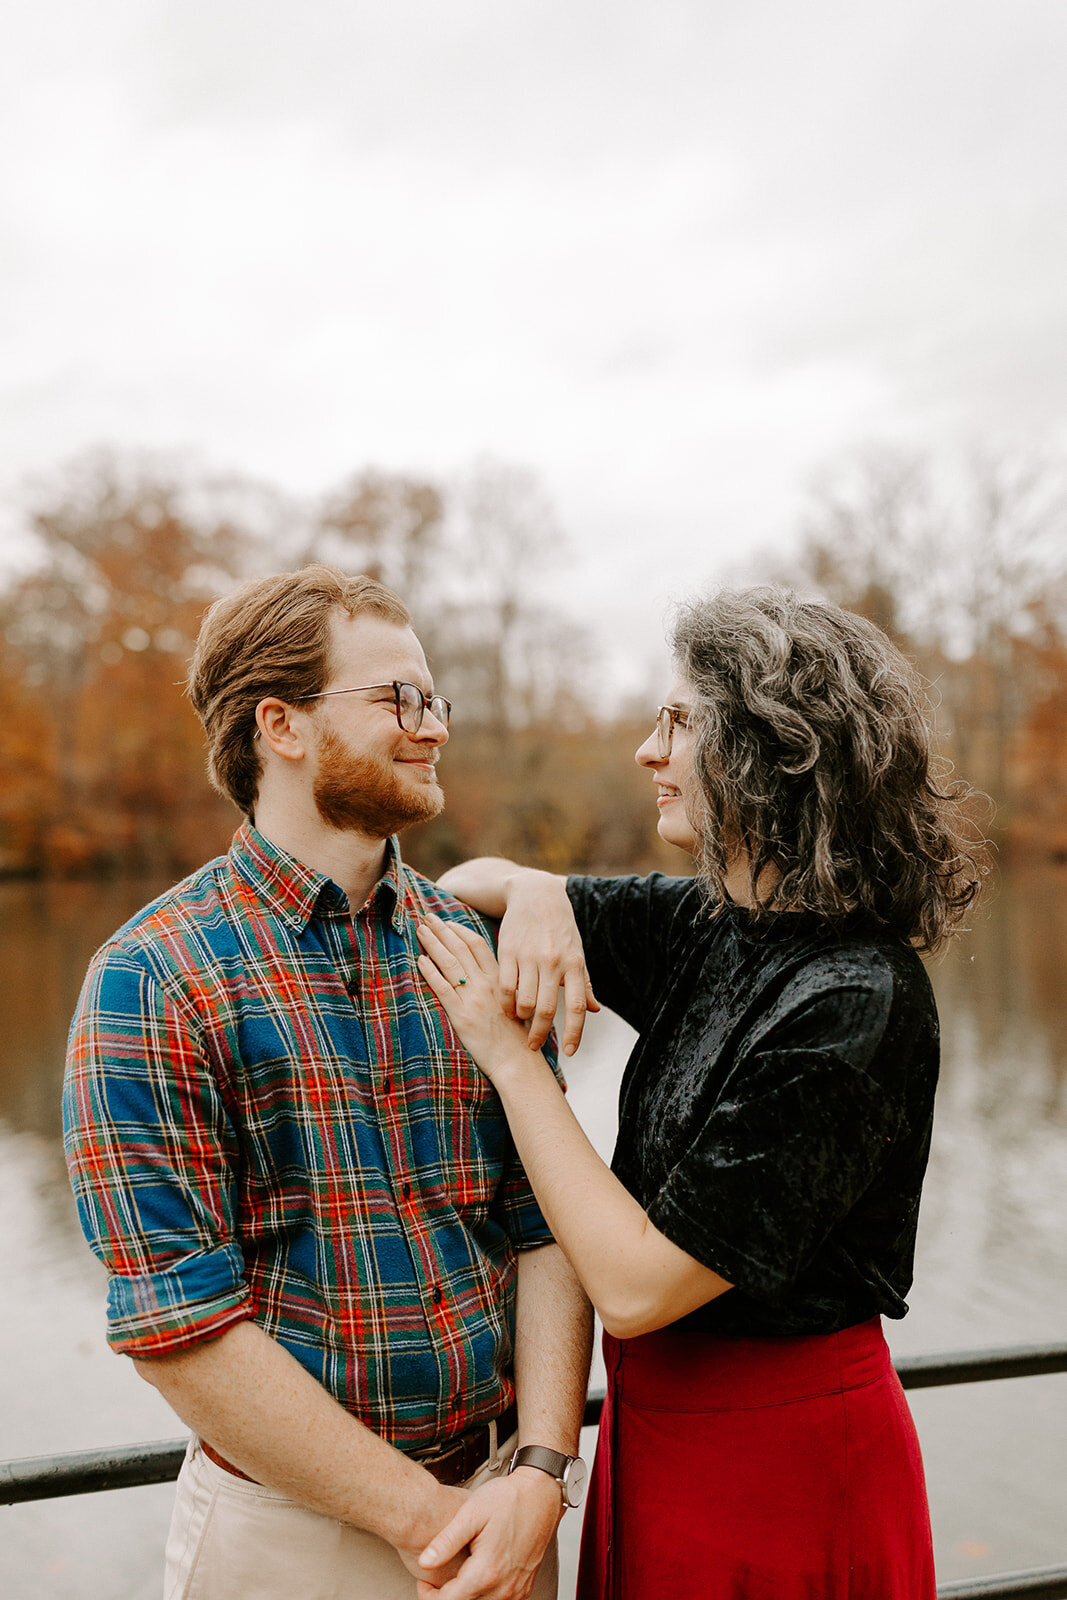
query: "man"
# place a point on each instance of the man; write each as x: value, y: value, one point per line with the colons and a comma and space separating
x: 323, y: 1250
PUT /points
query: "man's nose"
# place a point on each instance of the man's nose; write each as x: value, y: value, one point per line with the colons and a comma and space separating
x: 433, y: 730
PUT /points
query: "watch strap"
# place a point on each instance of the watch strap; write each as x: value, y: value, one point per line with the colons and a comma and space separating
x: 568, y: 1471
x: 538, y: 1455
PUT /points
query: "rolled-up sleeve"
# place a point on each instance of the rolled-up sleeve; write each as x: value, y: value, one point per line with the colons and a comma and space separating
x: 152, y: 1158
x: 517, y: 1210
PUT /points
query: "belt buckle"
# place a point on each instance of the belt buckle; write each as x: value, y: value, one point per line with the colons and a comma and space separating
x: 438, y: 1452
x: 470, y: 1441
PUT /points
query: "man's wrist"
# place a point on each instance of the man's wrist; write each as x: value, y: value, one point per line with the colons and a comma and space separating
x: 422, y: 1513
x: 568, y: 1472
x: 541, y: 1483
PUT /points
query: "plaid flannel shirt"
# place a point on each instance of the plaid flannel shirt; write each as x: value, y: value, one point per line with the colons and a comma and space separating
x: 268, y: 1115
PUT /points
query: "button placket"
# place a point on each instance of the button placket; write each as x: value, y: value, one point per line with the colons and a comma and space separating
x: 383, y: 943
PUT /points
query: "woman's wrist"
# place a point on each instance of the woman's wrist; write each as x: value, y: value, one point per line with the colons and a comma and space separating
x: 533, y: 882
x: 516, y: 1071
x: 507, y: 1066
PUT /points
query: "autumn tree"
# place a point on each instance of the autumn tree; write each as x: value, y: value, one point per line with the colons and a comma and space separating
x: 965, y: 564
x: 469, y: 557
x: 96, y: 641
x: 101, y: 758
x: 388, y: 525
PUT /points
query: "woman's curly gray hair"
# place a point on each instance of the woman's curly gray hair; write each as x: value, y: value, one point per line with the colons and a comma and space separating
x: 814, y: 756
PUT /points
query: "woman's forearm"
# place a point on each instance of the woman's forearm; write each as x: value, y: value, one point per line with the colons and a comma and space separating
x: 540, y: 948
x: 636, y: 1278
x: 481, y: 883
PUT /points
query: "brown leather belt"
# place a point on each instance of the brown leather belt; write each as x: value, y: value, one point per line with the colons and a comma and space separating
x: 227, y: 1466
x: 458, y: 1461
x: 449, y: 1463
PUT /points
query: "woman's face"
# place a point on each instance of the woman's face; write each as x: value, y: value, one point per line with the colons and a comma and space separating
x: 673, y: 775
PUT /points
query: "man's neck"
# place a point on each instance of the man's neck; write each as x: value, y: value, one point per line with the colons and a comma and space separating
x: 353, y: 860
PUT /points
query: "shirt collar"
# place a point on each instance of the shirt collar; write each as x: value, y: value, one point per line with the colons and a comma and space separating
x: 295, y: 891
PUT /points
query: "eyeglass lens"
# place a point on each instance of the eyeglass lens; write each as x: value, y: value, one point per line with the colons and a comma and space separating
x: 411, y: 706
x: 664, y: 731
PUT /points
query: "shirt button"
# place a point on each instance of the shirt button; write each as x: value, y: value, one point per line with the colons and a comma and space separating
x: 353, y: 987
x: 457, y: 1401
x: 437, y: 1295
x: 407, y: 1191
x: 387, y: 1086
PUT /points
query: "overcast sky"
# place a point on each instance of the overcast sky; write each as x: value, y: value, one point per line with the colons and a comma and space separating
x: 674, y: 256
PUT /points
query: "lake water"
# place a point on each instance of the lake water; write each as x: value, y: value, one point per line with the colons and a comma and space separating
x: 991, y: 1267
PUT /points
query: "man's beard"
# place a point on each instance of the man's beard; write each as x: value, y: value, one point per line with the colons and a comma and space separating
x: 366, y: 794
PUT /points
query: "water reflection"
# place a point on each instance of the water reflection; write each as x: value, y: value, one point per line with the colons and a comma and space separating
x: 991, y: 1249
x: 1002, y: 990
x: 991, y: 1262
x: 47, y: 934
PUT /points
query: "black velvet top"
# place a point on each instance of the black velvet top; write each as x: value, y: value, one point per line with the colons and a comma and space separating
x: 775, y: 1114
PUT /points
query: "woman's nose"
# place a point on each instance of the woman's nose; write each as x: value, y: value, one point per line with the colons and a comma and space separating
x: 647, y: 755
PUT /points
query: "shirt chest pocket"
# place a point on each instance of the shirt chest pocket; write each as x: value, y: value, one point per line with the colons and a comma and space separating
x: 460, y: 1127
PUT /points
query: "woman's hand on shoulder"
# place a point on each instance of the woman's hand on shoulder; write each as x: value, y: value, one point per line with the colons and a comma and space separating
x: 461, y: 969
x: 540, y: 952
x: 540, y: 949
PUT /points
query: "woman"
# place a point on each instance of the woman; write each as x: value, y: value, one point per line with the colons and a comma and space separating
x: 759, y: 1217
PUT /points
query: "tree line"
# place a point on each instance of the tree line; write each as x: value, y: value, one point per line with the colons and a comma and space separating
x: 101, y: 756
x: 964, y: 563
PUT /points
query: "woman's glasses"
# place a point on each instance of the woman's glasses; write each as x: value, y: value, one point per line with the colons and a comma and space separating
x: 666, y: 718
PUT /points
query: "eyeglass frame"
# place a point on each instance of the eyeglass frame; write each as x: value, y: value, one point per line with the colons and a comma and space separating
x: 396, y: 685
x: 674, y: 717
x: 432, y: 701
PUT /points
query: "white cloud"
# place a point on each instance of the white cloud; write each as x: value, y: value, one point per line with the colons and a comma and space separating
x: 672, y: 256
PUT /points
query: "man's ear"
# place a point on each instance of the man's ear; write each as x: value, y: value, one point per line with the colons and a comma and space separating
x: 283, y: 729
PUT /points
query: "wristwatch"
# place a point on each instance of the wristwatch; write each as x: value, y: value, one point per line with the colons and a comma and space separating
x: 570, y: 1472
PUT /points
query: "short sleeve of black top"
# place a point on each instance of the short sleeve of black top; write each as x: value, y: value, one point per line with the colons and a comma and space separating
x: 775, y: 1114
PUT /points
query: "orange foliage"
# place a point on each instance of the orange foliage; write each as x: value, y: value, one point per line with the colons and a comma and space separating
x: 101, y: 757
x: 1038, y: 760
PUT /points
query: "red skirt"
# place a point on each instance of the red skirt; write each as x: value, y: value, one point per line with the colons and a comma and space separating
x: 756, y: 1469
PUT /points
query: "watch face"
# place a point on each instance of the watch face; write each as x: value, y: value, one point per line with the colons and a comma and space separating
x: 574, y: 1481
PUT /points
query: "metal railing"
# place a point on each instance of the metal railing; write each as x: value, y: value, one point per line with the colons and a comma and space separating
x: 132, y: 1466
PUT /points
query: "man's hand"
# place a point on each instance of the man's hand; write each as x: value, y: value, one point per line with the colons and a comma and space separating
x: 448, y: 1505
x: 540, y: 952
x: 507, y: 1524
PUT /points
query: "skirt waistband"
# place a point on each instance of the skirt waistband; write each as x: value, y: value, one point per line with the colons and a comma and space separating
x: 675, y: 1370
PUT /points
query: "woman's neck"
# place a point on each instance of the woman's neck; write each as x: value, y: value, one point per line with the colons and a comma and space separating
x: 738, y: 881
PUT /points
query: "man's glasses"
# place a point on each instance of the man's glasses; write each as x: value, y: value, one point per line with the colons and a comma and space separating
x: 408, y: 700
x: 666, y: 718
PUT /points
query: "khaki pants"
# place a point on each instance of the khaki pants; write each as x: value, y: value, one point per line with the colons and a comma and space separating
x: 233, y: 1540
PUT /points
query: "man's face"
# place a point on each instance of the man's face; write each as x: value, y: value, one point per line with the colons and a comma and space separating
x: 369, y: 775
